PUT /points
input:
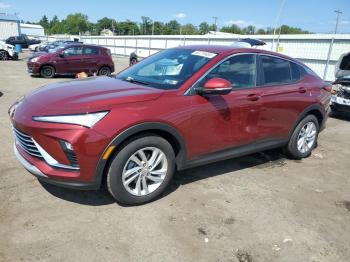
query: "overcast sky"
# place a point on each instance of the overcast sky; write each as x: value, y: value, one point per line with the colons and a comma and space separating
x: 312, y: 15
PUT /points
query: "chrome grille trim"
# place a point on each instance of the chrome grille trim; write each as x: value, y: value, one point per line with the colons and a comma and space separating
x: 26, y: 143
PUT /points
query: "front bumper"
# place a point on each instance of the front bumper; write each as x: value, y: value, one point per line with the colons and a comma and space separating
x: 40, y: 175
x: 33, y: 68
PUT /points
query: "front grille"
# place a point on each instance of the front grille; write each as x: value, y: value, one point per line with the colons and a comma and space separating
x: 344, y: 94
x: 27, y: 144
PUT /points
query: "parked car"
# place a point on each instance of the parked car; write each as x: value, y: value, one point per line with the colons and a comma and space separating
x: 179, y: 108
x: 7, y: 51
x: 340, y: 102
x: 36, y: 47
x: 49, y: 48
x: 23, y: 40
x: 72, y: 59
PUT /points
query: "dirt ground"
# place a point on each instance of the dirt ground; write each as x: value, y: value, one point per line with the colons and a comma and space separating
x: 263, y: 207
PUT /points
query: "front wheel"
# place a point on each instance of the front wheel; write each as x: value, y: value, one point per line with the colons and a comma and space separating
x: 47, y: 72
x: 304, y: 138
x: 141, y: 170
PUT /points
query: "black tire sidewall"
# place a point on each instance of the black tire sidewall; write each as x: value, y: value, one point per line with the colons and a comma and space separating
x: 5, y: 54
x: 292, y: 148
x: 104, y: 68
x: 42, y: 70
x: 114, y: 176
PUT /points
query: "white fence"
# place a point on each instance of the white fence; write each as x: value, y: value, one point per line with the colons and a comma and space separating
x: 312, y: 49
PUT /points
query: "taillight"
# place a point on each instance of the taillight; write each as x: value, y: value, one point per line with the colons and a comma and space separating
x: 328, y: 88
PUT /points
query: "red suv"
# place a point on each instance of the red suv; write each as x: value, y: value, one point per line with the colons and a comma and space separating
x: 72, y: 59
x: 179, y: 108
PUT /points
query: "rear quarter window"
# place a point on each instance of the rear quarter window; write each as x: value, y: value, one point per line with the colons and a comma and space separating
x: 275, y: 70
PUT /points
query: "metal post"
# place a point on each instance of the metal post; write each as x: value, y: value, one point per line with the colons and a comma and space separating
x: 149, y: 46
x: 331, y: 45
x: 277, y: 22
x: 215, y: 23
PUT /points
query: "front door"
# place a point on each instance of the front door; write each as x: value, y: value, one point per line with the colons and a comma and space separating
x: 227, y: 121
x: 71, y: 62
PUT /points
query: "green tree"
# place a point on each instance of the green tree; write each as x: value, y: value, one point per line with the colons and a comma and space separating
x: 249, y: 30
x: 189, y: 29
x: 204, y: 28
x: 105, y: 23
x: 172, y: 28
x: 76, y: 23
x: 233, y: 29
x: 261, y: 31
x: 127, y: 28
x: 146, y: 25
x: 44, y: 22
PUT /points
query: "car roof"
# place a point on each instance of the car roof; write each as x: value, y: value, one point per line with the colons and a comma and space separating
x: 227, y: 49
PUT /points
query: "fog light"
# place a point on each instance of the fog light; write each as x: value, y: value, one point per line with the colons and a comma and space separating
x: 68, y: 145
x: 69, y: 151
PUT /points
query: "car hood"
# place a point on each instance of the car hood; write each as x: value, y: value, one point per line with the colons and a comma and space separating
x: 36, y: 54
x: 88, y: 95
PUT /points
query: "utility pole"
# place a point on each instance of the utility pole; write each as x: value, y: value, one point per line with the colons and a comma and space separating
x: 331, y: 44
x: 277, y: 23
x: 215, y: 23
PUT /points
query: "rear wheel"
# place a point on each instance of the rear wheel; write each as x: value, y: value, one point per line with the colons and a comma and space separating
x: 47, y: 71
x: 3, y: 55
x: 141, y: 171
x: 304, y: 138
x: 104, y: 71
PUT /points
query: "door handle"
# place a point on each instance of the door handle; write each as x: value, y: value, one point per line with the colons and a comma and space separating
x: 253, y: 97
x: 302, y: 90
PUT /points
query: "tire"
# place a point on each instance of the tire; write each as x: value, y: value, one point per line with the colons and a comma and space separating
x: 133, y: 61
x: 309, y: 142
x: 4, y: 55
x: 117, y: 178
x: 47, y: 71
x: 104, y: 71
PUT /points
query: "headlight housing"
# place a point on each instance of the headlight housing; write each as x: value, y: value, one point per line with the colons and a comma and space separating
x: 35, y: 59
x: 87, y: 120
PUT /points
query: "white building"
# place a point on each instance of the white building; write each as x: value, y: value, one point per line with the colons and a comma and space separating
x: 9, y: 26
x: 32, y: 30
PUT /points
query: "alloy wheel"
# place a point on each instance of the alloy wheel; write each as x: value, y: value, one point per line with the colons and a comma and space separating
x: 306, y: 137
x: 145, y: 171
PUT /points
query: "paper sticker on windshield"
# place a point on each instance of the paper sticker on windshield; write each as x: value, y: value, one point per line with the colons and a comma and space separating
x: 204, y: 54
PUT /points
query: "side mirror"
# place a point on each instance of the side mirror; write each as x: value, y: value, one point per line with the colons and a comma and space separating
x: 61, y: 54
x: 216, y: 86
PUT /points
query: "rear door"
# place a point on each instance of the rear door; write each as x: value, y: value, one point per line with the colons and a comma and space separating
x: 90, y: 59
x: 71, y: 62
x: 284, y: 95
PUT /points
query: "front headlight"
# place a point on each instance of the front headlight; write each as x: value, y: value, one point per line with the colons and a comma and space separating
x: 35, y: 59
x: 87, y: 120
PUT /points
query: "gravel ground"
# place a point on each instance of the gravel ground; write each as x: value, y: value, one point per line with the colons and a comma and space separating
x: 263, y: 207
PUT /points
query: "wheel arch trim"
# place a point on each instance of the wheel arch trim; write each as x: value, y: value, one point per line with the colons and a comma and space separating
x: 138, y: 129
x: 307, y: 111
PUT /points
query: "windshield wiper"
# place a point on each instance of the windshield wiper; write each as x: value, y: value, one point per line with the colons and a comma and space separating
x: 133, y: 80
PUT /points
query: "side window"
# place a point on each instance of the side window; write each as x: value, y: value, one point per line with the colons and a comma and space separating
x: 90, y: 51
x: 73, y: 51
x: 240, y: 70
x: 275, y: 70
x: 296, y: 74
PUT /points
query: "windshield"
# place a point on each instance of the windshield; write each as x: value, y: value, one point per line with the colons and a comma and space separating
x: 168, y: 69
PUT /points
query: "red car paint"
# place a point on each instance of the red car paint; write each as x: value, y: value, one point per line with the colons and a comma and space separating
x: 69, y: 65
x: 205, y: 124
